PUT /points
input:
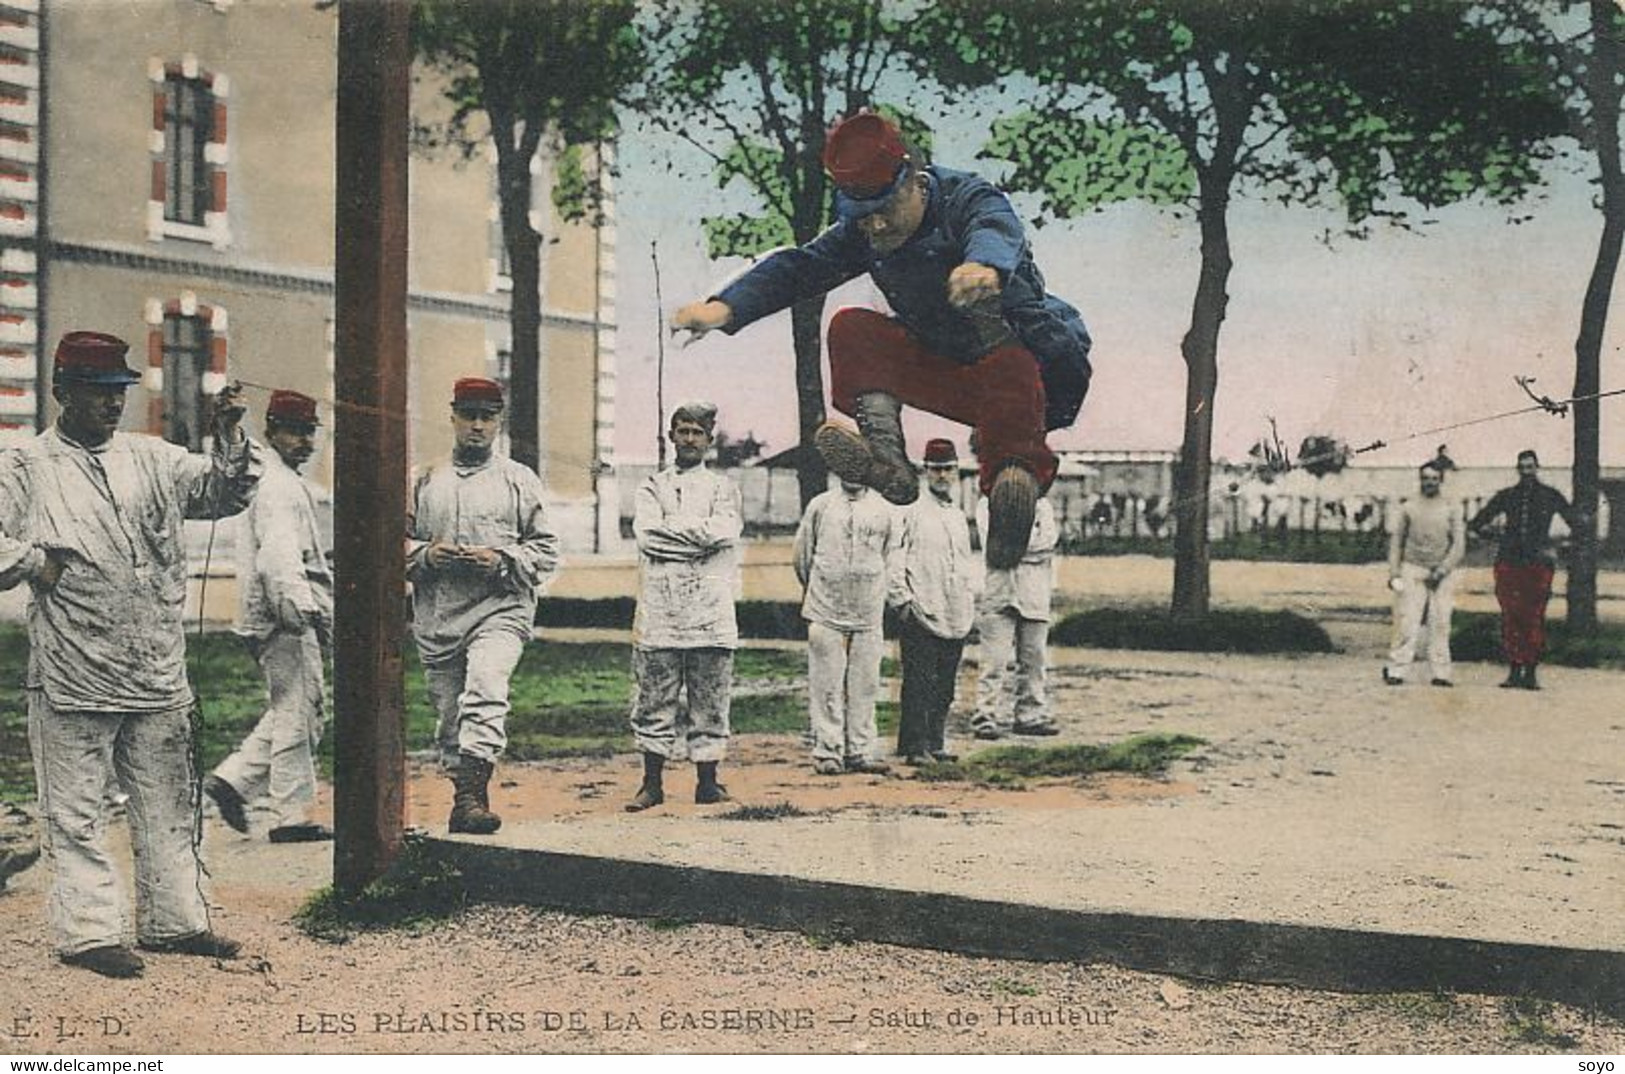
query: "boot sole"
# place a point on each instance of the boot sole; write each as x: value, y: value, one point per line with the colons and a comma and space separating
x: 896, y: 487
x: 302, y: 833
x: 203, y: 945
x: 474, y: 829
x: 1010, y: 509
x: 123, y: 964
x: 848, y: 457
x: 233, y: 808
x: 473, y: 822
x: 844, y: 452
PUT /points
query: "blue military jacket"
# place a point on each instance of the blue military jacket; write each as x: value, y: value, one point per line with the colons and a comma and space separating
x: 966, y: 219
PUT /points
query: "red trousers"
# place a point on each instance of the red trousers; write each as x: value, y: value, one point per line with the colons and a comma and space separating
x: 1001, y: 396
x: 1522, y: 592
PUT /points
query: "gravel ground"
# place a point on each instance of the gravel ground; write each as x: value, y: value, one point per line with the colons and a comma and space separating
x: 500, y: 979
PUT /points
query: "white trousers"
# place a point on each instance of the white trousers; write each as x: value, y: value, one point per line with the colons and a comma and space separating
x: 1415, y: 599
x: 151, y: 755
x: 680, y: 702
x: 470, y: 693
x: 277, y: 760
x: 1014, y: 655
x: 843, y: 680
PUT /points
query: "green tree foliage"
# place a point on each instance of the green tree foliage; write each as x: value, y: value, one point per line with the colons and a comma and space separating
x: 1581, y: 45
x: 519, y: 72
x: 755, y: 86
x: 1187, y: 103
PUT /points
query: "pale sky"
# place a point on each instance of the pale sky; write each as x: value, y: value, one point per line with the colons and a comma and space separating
x: 1365, y: 340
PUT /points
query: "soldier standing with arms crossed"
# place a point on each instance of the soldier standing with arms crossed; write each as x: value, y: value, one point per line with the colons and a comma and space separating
x: 1014, y: 629
x: 687, y: 524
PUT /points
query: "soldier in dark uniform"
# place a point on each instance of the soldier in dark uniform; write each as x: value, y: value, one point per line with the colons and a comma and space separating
x: 973, y: 335
x: 1524, y: 565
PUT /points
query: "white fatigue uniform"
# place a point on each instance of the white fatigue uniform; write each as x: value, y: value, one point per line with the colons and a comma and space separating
x: 1429, y: 533
x: 472, y: 626
x: 107, y: 686
x: 841, y: 551
x: 285, y: 609
x: 934, y: 580
x: 1014, y: 628
x: 687, y: 525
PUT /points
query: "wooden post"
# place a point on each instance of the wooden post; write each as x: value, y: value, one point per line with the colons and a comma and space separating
x: 374, y: 68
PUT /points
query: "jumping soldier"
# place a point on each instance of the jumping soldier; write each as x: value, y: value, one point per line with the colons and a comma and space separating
x: 975, y: 337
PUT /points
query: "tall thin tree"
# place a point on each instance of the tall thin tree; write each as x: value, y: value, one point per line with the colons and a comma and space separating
x: 1189, y: 103
x: 535, y: 70
x: 1582, y: 44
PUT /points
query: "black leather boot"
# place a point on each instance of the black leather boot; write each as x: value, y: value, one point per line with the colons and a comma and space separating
x: 470, y: 809
x: 708, y: 791
x: 651, y: 793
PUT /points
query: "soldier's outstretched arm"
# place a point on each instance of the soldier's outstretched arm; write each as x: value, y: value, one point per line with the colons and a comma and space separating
x: 698, y: 318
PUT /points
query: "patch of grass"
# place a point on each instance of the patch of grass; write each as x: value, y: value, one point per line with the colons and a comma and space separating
x: 776, y: 811
x: 1529, y: 1022
x: 1240, y: 630
x: 569, y: 700
x: 836, y: 933
x: 887, y: 714
x: 778, y: 619
x: 1012, y: 766
x: 1006, y: 987
x: 1293, y: 546
x: 1418, y: 1006
x: 768, y: 713
x: 1477, y: 636
x: 16, y: 762
x: 572, y: 700
x: 416, y: 892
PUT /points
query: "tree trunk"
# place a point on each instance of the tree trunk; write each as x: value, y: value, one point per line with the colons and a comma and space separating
x: 806, y: 323
x: 1607, y: 61
x: 525, y: 317
x: 1200, y: 348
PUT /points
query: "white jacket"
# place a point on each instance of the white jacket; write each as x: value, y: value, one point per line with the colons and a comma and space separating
x: 110, y: 636
x: 935, y: 575
x: 498, y: 504
x: 843, y: 546
x: 1025, y: 588
x: 283, y: 579
x: 687, y: 525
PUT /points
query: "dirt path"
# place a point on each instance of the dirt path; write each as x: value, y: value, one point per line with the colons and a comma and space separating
x: 1317, y: 727
x: 511, y: 980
